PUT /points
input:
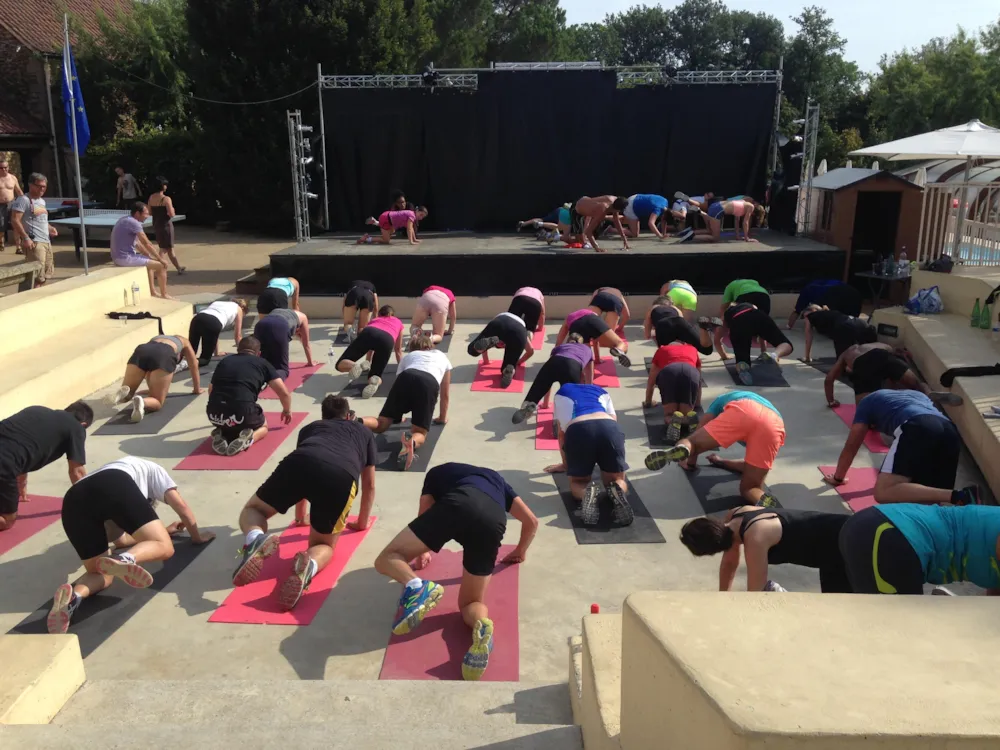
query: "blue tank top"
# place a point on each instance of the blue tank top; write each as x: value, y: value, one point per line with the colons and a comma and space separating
x: 283, y: 284
x: 953, y: 543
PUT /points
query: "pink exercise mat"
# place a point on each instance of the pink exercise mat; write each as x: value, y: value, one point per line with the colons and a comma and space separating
x: 38, y: 513
x: 298, y: 373
x: 873, y: 441
x: 859, y: 490
x: 488, y: 378
x: 204, y: 458
x: 545, y: 439
x: 606, y: 375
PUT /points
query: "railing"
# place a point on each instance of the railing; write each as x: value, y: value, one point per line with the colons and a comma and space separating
x: 969, y: 212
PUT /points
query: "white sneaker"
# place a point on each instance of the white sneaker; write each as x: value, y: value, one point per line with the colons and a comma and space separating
x: 355, y: 372
x: 370, y: 390
x: 774, y: 587
x: 351, y: 334
x: 119, y: 397
x: 365, y: 365
x: 181, y: 366
x: 138, y: 409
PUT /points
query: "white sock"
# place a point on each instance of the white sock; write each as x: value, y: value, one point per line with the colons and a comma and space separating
x: 313, y: 567
x: 252, y: 535
x: 415, y: 584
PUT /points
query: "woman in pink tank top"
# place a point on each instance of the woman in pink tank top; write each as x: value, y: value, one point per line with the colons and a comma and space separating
x: 438, y: 304
x: 370, y: 351
x: 390, y: 221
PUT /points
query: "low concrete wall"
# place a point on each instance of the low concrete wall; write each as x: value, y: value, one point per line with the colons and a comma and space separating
x: 40, y: 674
x: 599, y: 715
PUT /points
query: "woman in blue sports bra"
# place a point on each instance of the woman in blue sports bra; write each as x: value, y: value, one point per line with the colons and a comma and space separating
x: 744, y: 209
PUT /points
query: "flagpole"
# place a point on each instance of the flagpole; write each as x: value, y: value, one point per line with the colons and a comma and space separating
x: 76, y: 149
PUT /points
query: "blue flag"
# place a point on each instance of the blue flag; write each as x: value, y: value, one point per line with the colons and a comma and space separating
x: 73, y: 102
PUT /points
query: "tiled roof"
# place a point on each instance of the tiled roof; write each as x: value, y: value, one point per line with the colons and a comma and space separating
x: 38, y: 24
x: 14, y: 121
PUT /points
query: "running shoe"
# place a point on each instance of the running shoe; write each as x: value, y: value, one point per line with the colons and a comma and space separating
x: 658, y: 459
x: 623, y: 359
x: 414, y: 604
x: 527, y: 409
x: 370, y: 221
x: 946, y: 399
x: 710, y: 324
x: 743, y: 373
x: 356, y: 369
x: 590, y: 509
x: 685, y: 234
x: 373, y: 383
x: 416, y: 331
x: 181, y: 366
x: 482, y: 344
x: 767, y: 358
x: 219, y: 444
x: 969, y: 496
x: 477, y: 658
x: 936, y: 591
x: 253, y: 556
x: 123, y: 565
x: 507, y: 376
x: 674, y: 428
x: 553, y: 237
x: 767, y: 500
x: 682, y: 196
x: 64, y: 604
x: 297, y: 583
x: 622, y: 513
x: 690, y: 423
x: 120, y: 396
x: 776, y: 588
x: 406, y: 455
x: 351, y: 333
x: 241, y: 443
x: 138, y: 409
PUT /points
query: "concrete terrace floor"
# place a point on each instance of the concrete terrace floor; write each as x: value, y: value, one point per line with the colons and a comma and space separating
x: 170, y: 637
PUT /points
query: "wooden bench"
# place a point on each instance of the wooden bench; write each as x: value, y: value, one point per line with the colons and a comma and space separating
x: 21, y: 274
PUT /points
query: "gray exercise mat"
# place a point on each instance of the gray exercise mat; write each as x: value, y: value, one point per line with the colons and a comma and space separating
x: 642, y: 530
x: 765, y: 375
x: 354, y: 388
x: 656, y: 427
x: 390, y: 442
x: 717, y: 489
x: 205, y: 373
x: 152, y: 422
x: 825, y: 364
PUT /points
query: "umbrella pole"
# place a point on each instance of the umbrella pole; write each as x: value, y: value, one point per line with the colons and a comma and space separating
x: 960, y: 223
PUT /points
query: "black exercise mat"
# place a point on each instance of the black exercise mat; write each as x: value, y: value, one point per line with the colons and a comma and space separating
x: 765, y: 375
x: 825, y: 364
x: 152, y: 422
x: 100, y: 616
x: 717, y: 489
x: 642, y: 530
x: 656, y: 427
x: 354, y: 388
x: 390, y: 442
x: 445, y: 343
x: 205, y: 373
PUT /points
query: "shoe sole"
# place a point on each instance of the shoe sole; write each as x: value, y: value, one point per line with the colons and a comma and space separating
x: 622, y: 514
x: 658, y: 459
x: 355, y: 372
x: 119, y: 397
x: 506, y: 378
x: 477, y: 658
x: 482, y: 345
x: 133, y: 574
x: 220, y: 446
x: 137, y: 415
x: 590, y: 510
x: 250, y: 570
x: 239, y: 445
x: 291, y: 590
x: 413, y: 620
x: 673, y: 433
x: 57, y: 622
x: 769, y: 501
x: 370, y: 390
x: 522, y: 414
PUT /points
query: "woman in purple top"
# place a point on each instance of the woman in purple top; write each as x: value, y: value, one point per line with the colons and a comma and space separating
x: 572, y: 362
x: 390, y: 221
x: 370, y: 351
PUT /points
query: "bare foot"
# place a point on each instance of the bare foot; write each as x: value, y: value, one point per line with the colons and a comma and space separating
x: 555, y: 469
x: 714, y: 459
x: 167, y: 296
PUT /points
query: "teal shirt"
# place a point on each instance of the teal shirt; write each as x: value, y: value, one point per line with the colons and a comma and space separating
x: 716, y: 407
x: 953, y: 543
x: 283, y: 284
x: 740, y: 287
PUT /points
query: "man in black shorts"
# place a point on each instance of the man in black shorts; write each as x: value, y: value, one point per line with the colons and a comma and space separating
x: 115, y: 504
x: 33, y: 438
x: 275, y: 330
x: 467, y: 504
x: 360, y: 302
x: 232, y: 398
x: 876, y: 366
x: 511, y: 331
x: 746, y: 323
x: 332, y: 456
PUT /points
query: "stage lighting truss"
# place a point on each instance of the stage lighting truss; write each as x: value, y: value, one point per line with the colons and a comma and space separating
x: 442, y: 80
x: 299, y: 150
x: 659, y: 76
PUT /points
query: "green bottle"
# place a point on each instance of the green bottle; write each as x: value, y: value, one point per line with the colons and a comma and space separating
x: 986, y: 318
x: 976, y: 315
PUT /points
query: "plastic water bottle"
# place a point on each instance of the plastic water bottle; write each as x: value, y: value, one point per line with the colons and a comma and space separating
x: 135, y: 293
x: 904, y: 263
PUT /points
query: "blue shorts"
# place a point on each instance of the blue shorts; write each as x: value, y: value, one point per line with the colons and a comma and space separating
x: 716, y: 210
x: 595, y: 441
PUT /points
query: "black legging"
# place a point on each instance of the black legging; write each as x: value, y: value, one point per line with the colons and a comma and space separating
x: 868, y: 540
x: 679, y: 383
x: 204, y: 329
x: 669, y: 330
x: 373, y: 340
x: 748, y: 324
x: 513, y: 335
x: 556, y: 369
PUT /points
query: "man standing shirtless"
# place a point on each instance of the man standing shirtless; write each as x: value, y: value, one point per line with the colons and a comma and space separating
x: 10, y: 189
x: 589, y: 213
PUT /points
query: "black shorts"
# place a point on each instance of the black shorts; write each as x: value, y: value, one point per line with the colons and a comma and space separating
x: 748, y: 324
x: 850, y: 332
x: 590, y: 327
x: 679, y: 383
x: 371, y: 339
x: 9, y: 495
x: 576, y: 221
x: 925, y: 450
x: 761, y: 299
x: 594, y: 441
x: 607, y: 302
x: 470, y: 517
x: 271, y: 299
x: 416, y: 392
x: 302, y: 475
x: 878, y: 558
x: 528, y: 309
x: 108, y: 495
x: 843, y: 298
x: 234, y: 417
x: 875, y: 366
x: 360, y: 297
x: 154, y: 355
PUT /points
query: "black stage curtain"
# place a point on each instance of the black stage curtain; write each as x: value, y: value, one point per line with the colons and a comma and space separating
x: 527, y: 142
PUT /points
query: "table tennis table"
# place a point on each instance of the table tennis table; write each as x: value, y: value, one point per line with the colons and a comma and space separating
x: 99, y: 223
x: 61, y: 208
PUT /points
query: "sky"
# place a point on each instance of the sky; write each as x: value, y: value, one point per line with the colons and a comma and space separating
x: 871, y: 27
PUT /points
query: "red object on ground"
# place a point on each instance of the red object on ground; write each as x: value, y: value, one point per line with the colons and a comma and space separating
x: 257, y: 602
x: 298, y: 373
x: 595, y: 609
x: 859, y: 491
x: 434, y: 650
x: 488, y: 378
x: 575, y: 245
x: 873, y: 441
x: 39, y: 513
x: 545, y: 439
x: 204, y: 458
x: 605, y: 374
x: 537, y: 340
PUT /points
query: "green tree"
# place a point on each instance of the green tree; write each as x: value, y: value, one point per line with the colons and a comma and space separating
x: 699, y: 30
x: 643, y: 35
x: 756, y: 41
x: 526, y: 31
x: 815, y: 66
x: 592, y: 42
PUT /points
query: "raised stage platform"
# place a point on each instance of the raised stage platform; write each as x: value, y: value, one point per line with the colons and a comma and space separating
x: 480, y: 264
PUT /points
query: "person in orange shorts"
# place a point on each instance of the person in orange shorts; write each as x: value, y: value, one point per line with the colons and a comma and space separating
x: 731, y: 418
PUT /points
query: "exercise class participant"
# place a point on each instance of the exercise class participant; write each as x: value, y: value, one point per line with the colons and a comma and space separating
x: 438, y: 304
x: 588, y: 214
x: 595, y: 331
x: 529, y: 305
x: 360, y: 302
x: 737, y: 416
x: 207, y: 325
x: 554, y: 224
x: 571, y: 362
x: 676, y: 372
x: 332, y: 455
x: 281, y: 293
x: 381, y: 337
x: 771, y: 536
x: 119, y: 498
x: 275, y: 330
x: 510, y: 330
x: 589, y: 434
x: 683, y: 295
x: 744, y: 209
x: 610, y: 304
x: 896, y: 549
x: 390, y: 221
x: 745, y: 323
x: 155, y: 362
x: 833, y: 294
x: 648, y: 206
x: 422, y: 375
x: 845, y: 330
x: 232, y: 399
x: 665, y: 323
x: 876, y: 366
x: 922, y: 461
x: 467, y: 504
x: 743, y: 290
x: 35, y: 437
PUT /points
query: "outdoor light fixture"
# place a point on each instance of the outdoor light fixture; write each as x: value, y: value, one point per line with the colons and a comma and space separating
x: 305, y: 128
x: 307, y: 160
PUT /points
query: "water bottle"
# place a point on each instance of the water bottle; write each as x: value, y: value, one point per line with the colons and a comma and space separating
x: 135, y: 293
x: 904, y: 263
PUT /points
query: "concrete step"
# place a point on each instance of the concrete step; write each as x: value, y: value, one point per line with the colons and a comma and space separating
x: 600, y: 705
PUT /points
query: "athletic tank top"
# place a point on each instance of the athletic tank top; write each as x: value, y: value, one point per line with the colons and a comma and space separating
x: 290, y: 317
x: 173, y: 339
x: 388, y: 323
x: 283, y: 284
x: 223, y: 311
x: 808, y: 538
x: 575, y: 316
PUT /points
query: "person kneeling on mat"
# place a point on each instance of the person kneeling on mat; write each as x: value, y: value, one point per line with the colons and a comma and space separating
x: 746, y: 322
x: 422, y: 374
x: 510, y: 330
x: 35, y: 437
x: 275, y: 331
x: 665, y: 323
x: 589, y: 434
x: 380, y: 338
x: 595, y: 331
x: 360, y: 302
x: 529, y: 305
x: 834, y: 295
x: 846, y: 331
x: 331, y: 457
x: 676, y: 372
x: 771, y: 536
x: 281, y: 293
x: 232, y: 399
x: 588, y: 214
x: 897, y: 548
x: 874, y: 366
x: 923, y: 460
x: 737, y: 416
x: 390, y: 221
x: 572, y: 362
x: 207, y: 325
x: 116, y: 504
x: 438, y: 304
x: 683, y: 295
x: 467, y: 504
x: 610, y: 304
x: 155, y: 362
